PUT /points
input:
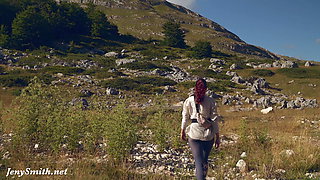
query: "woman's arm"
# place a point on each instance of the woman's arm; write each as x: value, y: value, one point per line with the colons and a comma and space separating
x: 185, y: 117
x: 217, y: 141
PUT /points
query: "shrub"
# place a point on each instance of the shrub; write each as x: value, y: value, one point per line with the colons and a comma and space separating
x: 14, y: 80
x: 158, y: 52
x: 62, y: 69
x: 45, y: 117
x: 105, y: 62
x: 120, y: 131
x: 209, y: 73
x: 146, y: 85
x: 164, y: 125
x: 262, y: 72
x: 144, y: 65
x: 32, y: 61
x: 103, y: 73
x: 155, y: 81
x: 121, y: 83
x: 202, y: 49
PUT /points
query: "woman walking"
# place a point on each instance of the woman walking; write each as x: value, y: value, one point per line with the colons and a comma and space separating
x: 201, y: 135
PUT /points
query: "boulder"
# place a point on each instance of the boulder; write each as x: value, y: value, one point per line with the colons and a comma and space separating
x: 308, y: 64
x: 237, y: 79
x: 261, y: 83
x: 267, y: 110
x: 257, y: 90
x: 112, y: 54
x: 217, y: 61
x: 242, y: 166
x: 112, y: 91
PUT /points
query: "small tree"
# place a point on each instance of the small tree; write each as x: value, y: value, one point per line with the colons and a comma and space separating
x: 202, y: 49
x: 100, y: 26
x: 174, y: 36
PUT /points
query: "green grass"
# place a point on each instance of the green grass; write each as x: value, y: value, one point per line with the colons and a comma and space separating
x: 262, y: 72
x: 311, y: 73
x: 209, y: 73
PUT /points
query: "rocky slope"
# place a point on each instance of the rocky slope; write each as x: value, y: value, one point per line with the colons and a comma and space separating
x: 144, y: 18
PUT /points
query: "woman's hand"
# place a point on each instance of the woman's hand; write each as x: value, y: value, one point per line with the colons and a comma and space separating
x: 217, y: 141
x: 183, y: 135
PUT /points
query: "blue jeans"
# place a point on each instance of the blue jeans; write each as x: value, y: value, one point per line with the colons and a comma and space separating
x: 200, y: 151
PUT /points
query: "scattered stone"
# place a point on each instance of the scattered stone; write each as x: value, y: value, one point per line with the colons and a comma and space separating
x: 237, y: 79
x: 112, y: 54
x: 242, y: 166
x: 308, y: 64
x: 289, y: 64
x: 112, y: 91
x: 234, y: 67
x: 36, y: 146
x: 287, y: 152
x: 85, y: 93
x: 267, y: 110
x: 243, y: 155
x: 124, y: 61
x: 230, y: 73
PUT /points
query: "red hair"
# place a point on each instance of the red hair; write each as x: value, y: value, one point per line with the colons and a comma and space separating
x: 200, y: 90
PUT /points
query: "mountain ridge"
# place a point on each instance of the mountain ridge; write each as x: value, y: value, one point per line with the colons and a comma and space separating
x: 149, y: 15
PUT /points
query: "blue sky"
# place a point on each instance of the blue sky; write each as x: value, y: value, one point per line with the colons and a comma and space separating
x: 286, y: 27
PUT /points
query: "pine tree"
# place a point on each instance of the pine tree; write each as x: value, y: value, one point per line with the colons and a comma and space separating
x: 100, y: 26
x: 174, y: 36
x: 29, y: 29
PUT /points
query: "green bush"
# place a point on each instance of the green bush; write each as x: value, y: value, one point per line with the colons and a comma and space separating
x: 144, y: 84
x: 103, y: 73
x: 218, y: 86
x: 262, y: 72
x: 45, y: 117
x: 209, y: 73
x: 32, y: 61
x: 202, y: 49
x: 120, y: 131
x: 14, y: 80
x: 311, y: 73
x: 159, y: 52
x: 62, y: 69
x: 144, y: 65
x: 164, y: 125
x: 105, y: 62
x: 120, y: 83
x: 155, y: 81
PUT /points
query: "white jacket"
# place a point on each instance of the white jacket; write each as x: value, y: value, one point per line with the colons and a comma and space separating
x: 208, y: 109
